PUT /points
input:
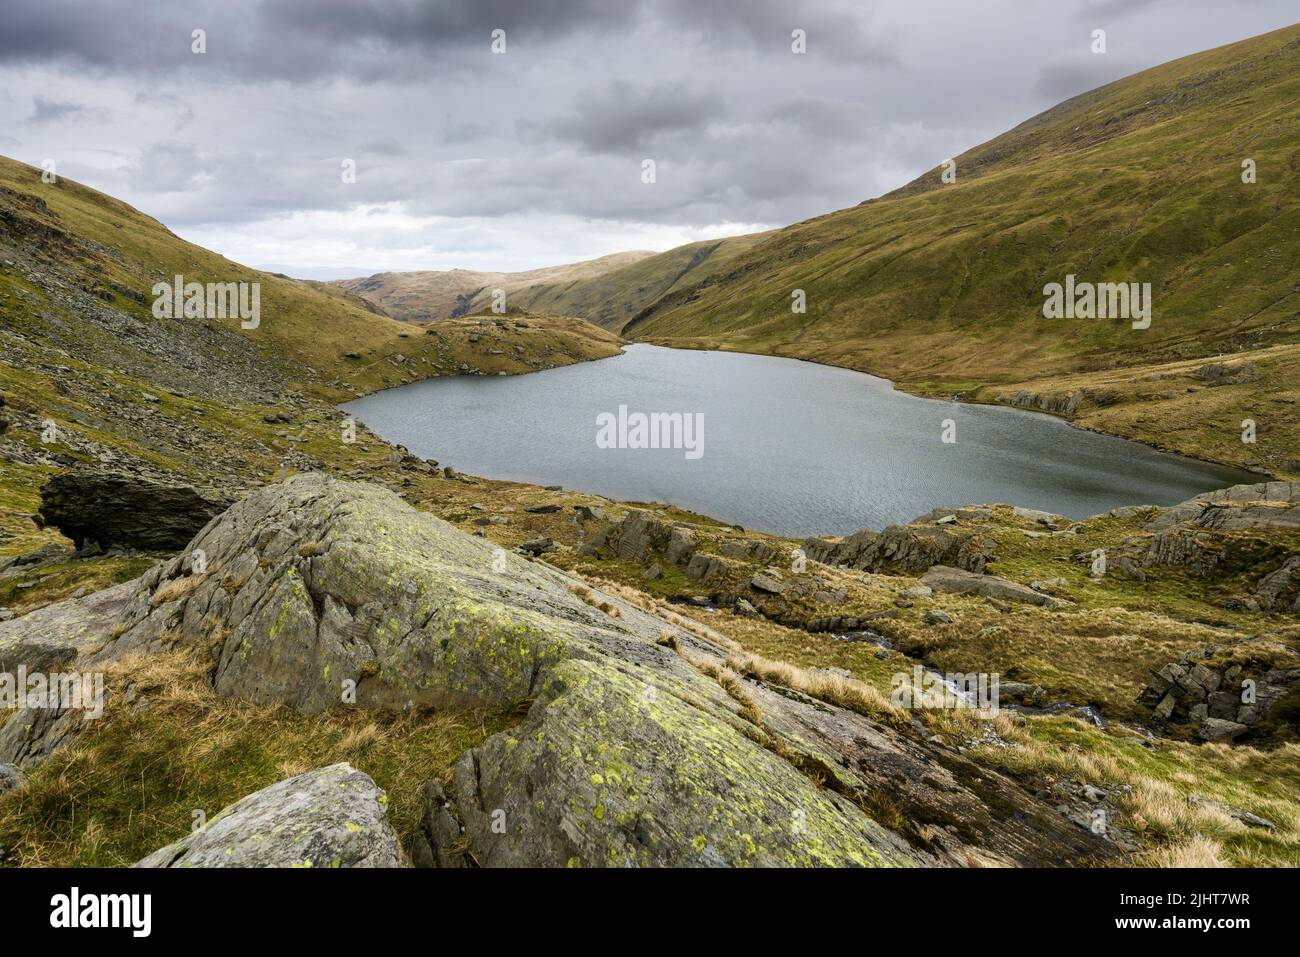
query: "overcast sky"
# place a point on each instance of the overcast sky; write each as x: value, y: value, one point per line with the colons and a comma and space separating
x: 533, y: 157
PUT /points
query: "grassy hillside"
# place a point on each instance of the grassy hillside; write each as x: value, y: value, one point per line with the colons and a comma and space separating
x: 89, y: 377
x: 80, y: 267
x: 430, y: 295
x: 941, y: 285
x: 615, y: 298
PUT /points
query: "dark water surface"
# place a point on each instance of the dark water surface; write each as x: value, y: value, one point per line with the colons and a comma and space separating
x: 788, y: 446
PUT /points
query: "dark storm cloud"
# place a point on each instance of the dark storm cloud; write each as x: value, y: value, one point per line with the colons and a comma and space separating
x: 295, y: 40
x: 535, y: 157
x: 307, y: 40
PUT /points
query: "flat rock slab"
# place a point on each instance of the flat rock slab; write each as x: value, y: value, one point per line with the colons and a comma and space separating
x: 958, y: 582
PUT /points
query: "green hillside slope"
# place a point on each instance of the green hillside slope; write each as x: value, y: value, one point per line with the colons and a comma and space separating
x: 615, y: 298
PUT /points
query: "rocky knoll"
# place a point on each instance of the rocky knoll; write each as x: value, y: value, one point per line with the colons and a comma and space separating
x: 958, y: 582
x: 324, y: 594
x: 110, y: 508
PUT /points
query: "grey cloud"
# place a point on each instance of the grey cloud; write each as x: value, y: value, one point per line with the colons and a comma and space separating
x: 371, y: 40
x: 623, y: 117
x: 388, y: 146
x: 835, y: 29
x: 1092, y: 9
x: 1067, y: 77
x: 297, y: 40
x: 48, y: 111
x: 820, y: 117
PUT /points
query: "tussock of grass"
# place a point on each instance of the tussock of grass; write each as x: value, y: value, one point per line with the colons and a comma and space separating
x: 1195, y: 852
x: 845, y: 692
x: 734, y: 685
x: 176, y: 589
x: 596, y: 601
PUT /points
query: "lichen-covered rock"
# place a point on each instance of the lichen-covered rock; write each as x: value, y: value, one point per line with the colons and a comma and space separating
x: 318, y: 593
x: 1280, y: 589
x: 1193, y: 550
x: 48, y: 641
x: 634, y: 537
x: 44, y: 639
x: 1229, y: 691
x: 1217, y: 729
x: 332, y: 817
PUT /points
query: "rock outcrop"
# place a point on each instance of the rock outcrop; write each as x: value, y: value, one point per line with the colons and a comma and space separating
x: 1261, y: 505
x: 957, y: 581
x: 1279, y: 590
x: 639, y: 534
x: 332, y: 817
x: 319, y: 593
x: 1222, y: 693
x: 905, y: 548
x: 1233, y: 528
x: 117, y: 509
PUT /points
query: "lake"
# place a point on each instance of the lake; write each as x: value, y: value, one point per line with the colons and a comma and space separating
x: 783, y: 446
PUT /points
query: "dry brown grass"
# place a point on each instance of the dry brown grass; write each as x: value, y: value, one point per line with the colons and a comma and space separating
x: 734, y: 685
x: 176, y: 589
x: 846, y: 692
x: 596, y: 601
x: 1199, y: 851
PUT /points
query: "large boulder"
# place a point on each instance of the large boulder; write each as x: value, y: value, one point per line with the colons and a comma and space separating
x: 1279, y: 590
x: 322, y: 594
x: 111, y: 508
x: 960, y: 582
x: 332, y: 817
x: 639, y: 534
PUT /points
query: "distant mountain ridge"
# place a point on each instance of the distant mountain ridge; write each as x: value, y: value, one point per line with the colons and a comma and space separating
x: 448, y: 294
